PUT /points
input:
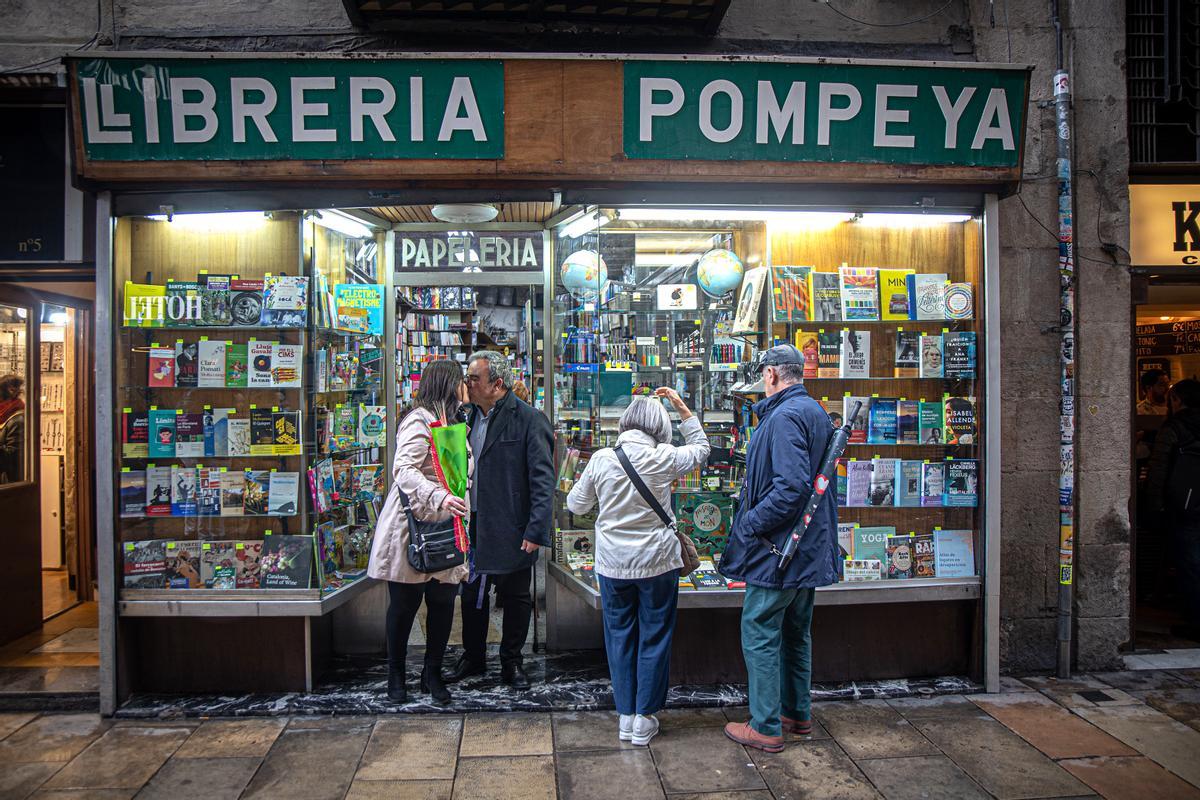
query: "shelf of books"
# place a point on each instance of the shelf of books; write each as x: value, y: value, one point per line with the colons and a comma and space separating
x: 251, y: 419
x: 889, y: 321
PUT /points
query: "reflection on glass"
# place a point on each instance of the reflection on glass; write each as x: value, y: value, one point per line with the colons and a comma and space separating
x: 13, y: 459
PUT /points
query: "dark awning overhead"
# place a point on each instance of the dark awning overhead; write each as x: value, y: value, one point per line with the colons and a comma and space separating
x: 685, y: 16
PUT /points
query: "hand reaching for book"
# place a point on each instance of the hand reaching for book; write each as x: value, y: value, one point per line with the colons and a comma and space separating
x: 675, y: 400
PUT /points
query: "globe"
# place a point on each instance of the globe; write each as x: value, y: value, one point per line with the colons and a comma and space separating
x: 584, y: 273
x: 719, y: 272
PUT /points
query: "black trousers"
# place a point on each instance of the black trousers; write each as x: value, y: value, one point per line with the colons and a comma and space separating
x: 513, y: 589
x: 405, y: 601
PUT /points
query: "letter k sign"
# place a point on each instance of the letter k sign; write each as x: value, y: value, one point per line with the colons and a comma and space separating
x: 1187, y: 227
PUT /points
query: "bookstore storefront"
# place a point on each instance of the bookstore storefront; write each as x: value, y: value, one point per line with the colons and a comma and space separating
x: 278, y: 275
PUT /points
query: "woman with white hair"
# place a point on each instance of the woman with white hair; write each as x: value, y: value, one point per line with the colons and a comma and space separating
x: 637, y: 553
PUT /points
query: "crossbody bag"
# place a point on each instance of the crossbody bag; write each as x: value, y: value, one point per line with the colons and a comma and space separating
x: 687, y: 548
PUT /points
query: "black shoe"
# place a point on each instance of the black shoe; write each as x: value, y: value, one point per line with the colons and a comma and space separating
x: 397, y: 691
x: 514, y: 675
x: 431, y: 682
x: 464, y: 668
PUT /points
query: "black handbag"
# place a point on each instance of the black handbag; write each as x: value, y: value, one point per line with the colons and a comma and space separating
x: 431, y: 545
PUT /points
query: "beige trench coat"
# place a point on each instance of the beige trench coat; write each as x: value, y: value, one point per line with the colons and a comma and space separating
x: 413, y: 472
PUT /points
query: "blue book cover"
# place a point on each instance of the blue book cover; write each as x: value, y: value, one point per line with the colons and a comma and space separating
x: 962, y: 483
x: 908, y: 484
x: 210, y: 433
x: 881, y: 428
x: 162, y: 433
x: 220, y: 437
x: 359, y: 308
x: 183, y: 491
x: 958, y: 354
x: 954, y: 553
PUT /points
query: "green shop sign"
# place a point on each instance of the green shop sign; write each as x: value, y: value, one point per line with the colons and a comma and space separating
x: 774, y: 111
x: 290, y: 109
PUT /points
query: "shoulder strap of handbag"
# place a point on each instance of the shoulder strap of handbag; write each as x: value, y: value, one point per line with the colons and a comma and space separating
x: 643, y: 490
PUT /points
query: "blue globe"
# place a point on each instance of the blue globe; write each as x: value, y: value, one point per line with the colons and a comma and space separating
x: 719, y: 272
x: 584, y: 274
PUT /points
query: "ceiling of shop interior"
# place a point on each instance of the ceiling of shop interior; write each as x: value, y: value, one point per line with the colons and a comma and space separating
x: 536, y: 212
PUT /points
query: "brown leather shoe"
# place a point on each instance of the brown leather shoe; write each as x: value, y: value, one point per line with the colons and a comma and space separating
x: 744, y: 733
x: 800, y: 727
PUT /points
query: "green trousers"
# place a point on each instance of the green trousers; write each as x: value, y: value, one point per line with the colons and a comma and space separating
x: 777, y: 645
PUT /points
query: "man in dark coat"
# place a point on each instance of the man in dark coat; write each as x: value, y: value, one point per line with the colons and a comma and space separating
x: 784, y: 455
x: 512, y: 496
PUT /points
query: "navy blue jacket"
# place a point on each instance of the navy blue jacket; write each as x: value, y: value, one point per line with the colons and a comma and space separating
x: 784, y: 454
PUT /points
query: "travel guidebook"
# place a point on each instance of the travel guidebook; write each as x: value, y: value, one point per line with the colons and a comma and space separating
x: 954, y: 553
x: 860, y: 294
x: 218, y: 565
x: 283, y: 493
x: 286, y: 562
x: 133, y: 492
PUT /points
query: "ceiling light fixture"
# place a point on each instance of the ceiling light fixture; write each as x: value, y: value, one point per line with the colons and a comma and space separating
x: 465, y: 213
x: 593, y: 220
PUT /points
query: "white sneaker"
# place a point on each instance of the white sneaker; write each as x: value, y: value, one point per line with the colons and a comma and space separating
x: 625, y: 727
x: 644, y: 729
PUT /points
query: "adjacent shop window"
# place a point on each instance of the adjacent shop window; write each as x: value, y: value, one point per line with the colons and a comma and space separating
x: 887, y: 309
x: 249, y: 375
x: 15, y: 458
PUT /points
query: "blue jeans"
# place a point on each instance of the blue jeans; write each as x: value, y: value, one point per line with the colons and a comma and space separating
x: 777, y: 645
x: 639, y: 620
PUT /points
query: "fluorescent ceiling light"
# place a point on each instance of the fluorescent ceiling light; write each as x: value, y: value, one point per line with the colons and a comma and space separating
x: 725, y: 215
x: 589, y: 222
x: 343, y: 223
x: 221, y: 220
x: 912, y: 220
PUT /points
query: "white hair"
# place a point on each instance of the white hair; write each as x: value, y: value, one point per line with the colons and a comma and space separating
x: 646, y: 414
x: 498, y: 367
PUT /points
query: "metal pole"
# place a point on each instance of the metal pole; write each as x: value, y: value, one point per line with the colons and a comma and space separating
x: 1066, y: 268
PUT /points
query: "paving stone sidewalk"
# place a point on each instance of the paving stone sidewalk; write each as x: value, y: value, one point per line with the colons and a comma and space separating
x: 1118, y: 735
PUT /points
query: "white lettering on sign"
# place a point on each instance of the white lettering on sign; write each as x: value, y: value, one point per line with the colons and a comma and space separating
x: 160, y: 309
x: 827, y: 113
x: 182, y: 109
x: 302, y: 110
x: 474, y: 251
x: 952, y: 112
x: 884, y: 115
x: 416, y: 109
x: 101, y: 116
x: 377, y: 111
x: 462, y: 96
x: 994, y: 122
x: 650, y: 109
x: 150, y: 108
x: 780, y: 117
x: 257, y: 112
x: 730, y: 131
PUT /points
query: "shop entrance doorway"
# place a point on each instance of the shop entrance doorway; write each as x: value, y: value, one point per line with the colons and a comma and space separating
x: 20, y: 569
x: 1166, y: 580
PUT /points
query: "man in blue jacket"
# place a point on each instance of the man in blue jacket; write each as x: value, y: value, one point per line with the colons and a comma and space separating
x: 784, y: 454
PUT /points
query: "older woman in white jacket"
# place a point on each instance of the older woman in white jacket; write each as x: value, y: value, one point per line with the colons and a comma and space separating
x: 637, y: 554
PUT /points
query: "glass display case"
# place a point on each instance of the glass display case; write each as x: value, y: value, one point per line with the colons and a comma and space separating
x: 251, y: 426
x: 887, y: 310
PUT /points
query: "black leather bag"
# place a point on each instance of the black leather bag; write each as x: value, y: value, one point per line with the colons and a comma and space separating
x: 431, y: 545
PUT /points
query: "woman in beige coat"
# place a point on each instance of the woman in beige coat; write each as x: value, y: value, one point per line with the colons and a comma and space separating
x: 438, y: 397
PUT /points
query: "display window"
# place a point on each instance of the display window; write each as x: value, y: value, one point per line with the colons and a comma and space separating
x: 888, y: 310
x: 252, y: 424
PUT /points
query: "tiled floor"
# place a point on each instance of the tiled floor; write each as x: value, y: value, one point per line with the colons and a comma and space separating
x: 63, y: 657
x: 57, y: 595
x: 1118, y: 735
